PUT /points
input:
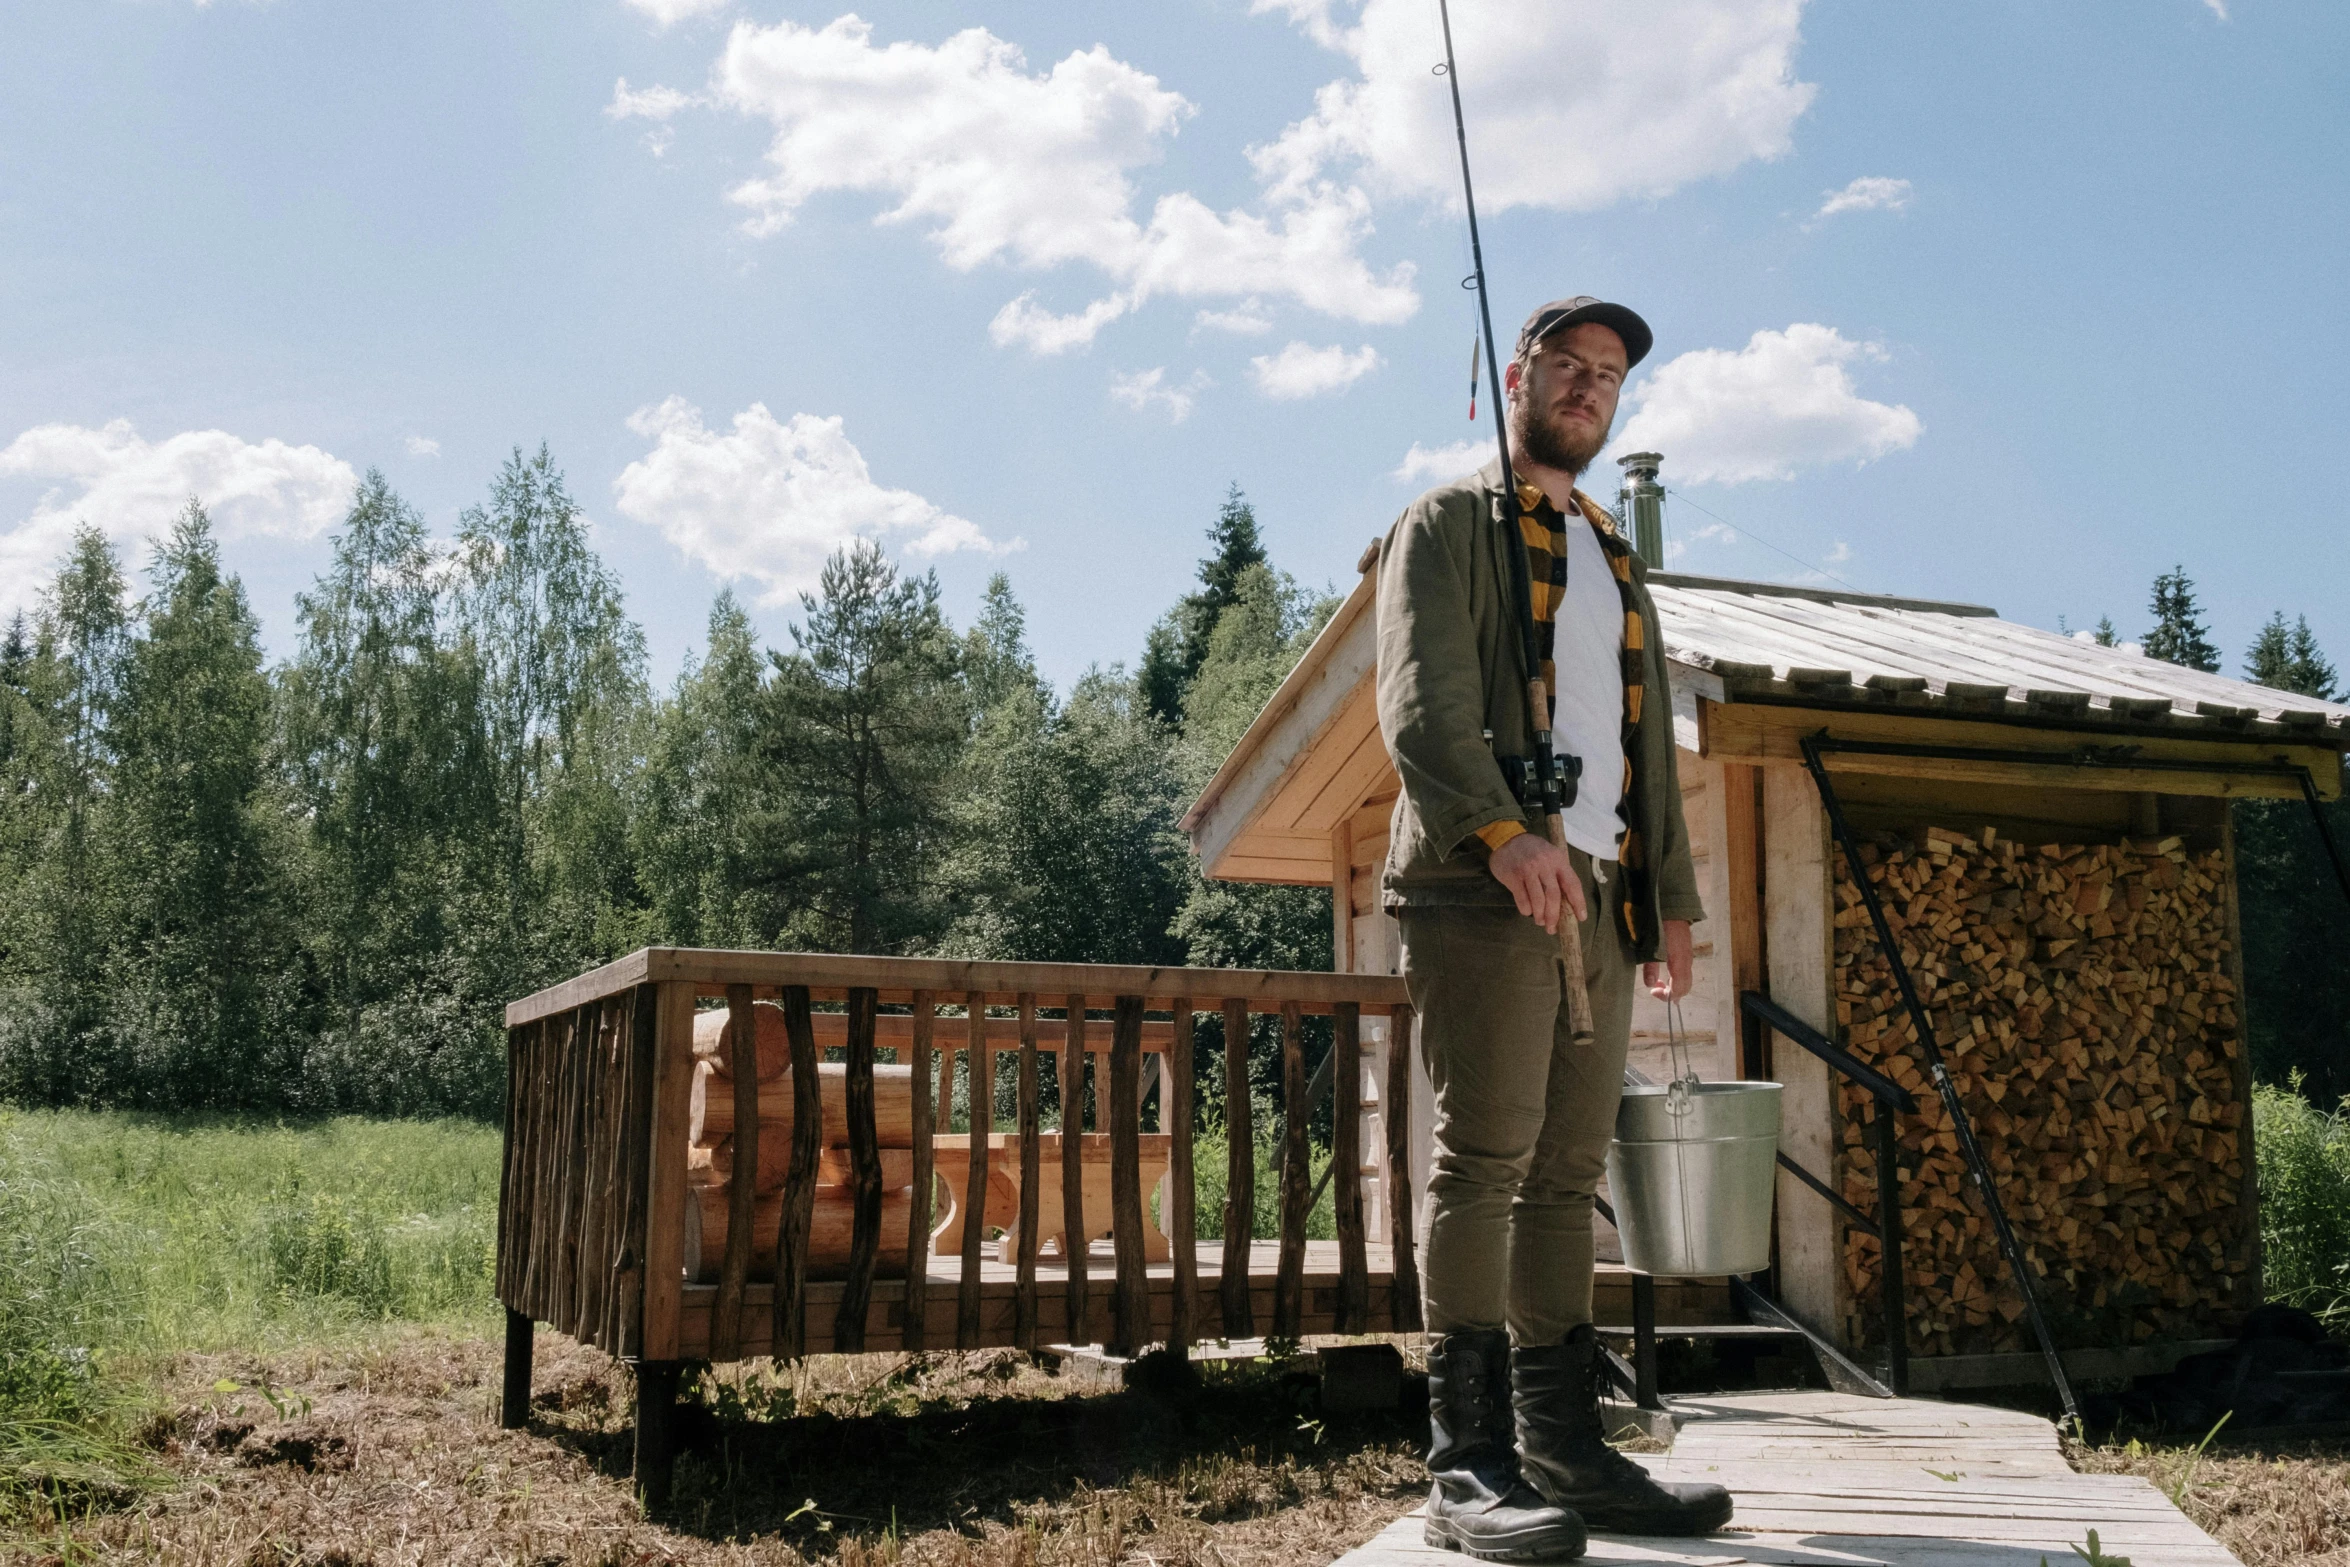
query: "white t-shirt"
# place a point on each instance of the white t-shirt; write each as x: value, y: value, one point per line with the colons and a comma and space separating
x: 1587, y: 717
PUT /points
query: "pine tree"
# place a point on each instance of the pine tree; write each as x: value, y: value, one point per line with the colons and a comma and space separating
x: 2179, y: 635
x: 2105, y: 634
x: 206, y: 952
x: 860, y: 729
x: 997, y: 665
x: 1178, y: 645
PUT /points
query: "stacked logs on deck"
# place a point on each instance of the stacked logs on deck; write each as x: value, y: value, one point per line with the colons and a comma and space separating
x: 2081, y: 998
x: 710, y: 1154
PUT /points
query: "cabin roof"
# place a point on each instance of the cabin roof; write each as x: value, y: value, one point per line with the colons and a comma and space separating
x: 1313, y: 755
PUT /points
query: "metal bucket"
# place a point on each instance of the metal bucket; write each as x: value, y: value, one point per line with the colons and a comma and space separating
x: 1692, y: 1172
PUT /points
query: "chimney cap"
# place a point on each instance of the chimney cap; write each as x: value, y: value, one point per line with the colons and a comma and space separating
x: 1640, y: 465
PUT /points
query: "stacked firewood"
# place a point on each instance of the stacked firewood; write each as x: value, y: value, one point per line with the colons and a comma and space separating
x: 2081, y: 998
x: 710, y: 1155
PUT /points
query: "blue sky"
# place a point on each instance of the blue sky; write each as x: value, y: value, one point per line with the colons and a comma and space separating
x: 2078, y: 315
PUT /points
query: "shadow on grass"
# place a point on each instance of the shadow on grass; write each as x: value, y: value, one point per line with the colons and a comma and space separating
x: 1007, y: 1446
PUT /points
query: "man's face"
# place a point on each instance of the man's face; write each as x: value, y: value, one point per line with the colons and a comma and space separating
x: 1563, y: 406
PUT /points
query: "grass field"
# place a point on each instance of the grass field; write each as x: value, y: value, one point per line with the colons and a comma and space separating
x: 227, y: 1342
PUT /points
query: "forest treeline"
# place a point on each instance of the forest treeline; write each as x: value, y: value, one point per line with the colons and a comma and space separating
x: 313, y: 885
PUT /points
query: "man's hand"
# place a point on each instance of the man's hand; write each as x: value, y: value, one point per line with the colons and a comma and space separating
x: 1670, y: 980
x: 1541, y: 877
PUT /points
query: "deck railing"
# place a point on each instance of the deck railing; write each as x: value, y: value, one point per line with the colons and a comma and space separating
x: 592, y: 1207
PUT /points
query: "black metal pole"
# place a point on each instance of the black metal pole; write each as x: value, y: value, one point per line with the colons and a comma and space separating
x: 2317, y: 814
x: 1644, y: 1367
x: 1889, y: 1251
x: 1939, y: 1071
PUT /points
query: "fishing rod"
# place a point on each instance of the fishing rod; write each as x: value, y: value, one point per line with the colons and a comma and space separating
x: 1549, y: 780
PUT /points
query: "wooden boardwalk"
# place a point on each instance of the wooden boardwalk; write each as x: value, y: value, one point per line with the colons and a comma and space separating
x: 1828, y: 1480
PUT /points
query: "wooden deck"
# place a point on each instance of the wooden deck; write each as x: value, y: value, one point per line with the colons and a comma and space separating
x: 1827, y: 1480
x: 1678, y: 1300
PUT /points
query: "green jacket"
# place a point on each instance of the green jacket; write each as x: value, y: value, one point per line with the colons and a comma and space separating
x: 1451, y: 666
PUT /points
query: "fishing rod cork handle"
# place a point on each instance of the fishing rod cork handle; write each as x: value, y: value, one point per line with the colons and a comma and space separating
x: 1579, y: 1023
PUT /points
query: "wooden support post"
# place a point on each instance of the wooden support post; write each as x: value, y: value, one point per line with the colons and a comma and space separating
x: 1073, y: 1240
x: 656, y: 1431
x: 673, y: 1077
x: 979, y: 1069
x: 918, y: 1225
x: 514, y: 1397
x: 798, y: 1215
x: 1342, y: 896
x: 1176, y: 1111
x: 1346, y: 1156
x: 1402, y: 1210
x: 1031, y: 1178
x: 1131, y: 1314
x: 1240, y: 1175
x: 856, y: 1295
x: 734, y: 1271
x: 1297, y: 1180
x: 1797, y: 938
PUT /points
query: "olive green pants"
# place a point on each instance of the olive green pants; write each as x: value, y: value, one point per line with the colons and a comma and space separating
x: 1524, y: 1116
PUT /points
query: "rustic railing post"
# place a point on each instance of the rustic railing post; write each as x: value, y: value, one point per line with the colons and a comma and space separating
x: 1175, y: 1115
x: 636, y: 1143
x: 1131, y: 1320
x: 1031, y: 1177
x: 1073, y: 1238
x: 918, y: 1224
x: 1346, y: 1156
x: 856, y: 1296
x: 1297, y: 1180
x: 789, y: 1340
x: 980, y: 1071
x: 1240, y: 1176
x: 1402, y: 1217
x: 673, y: 1076
x: 726, y: 1311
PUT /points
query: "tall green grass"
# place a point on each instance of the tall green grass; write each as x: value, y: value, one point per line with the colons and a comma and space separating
x: 2303, y: 1155
x: 1210, y: 1167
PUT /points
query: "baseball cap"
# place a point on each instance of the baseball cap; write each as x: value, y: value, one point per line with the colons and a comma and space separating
x: 1560, y: 314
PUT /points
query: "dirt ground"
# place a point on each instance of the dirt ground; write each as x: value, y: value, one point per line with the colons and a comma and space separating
x: 394, y: 1456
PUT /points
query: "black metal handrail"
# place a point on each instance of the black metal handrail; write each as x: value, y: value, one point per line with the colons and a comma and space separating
x: 1892, y: 1099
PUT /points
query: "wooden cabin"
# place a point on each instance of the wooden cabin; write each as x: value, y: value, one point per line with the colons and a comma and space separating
x: 2066, y: 903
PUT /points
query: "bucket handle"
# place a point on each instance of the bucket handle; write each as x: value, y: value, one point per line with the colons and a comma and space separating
x: 1681, y: 1094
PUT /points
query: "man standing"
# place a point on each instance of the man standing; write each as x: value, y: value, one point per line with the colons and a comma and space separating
x: 1524, y: 1115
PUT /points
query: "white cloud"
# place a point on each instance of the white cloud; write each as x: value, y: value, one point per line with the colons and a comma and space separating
x: 1025, y: 323
x: 1570, y: 107
x: 1869, y: 193
x: 2218, y: 8
x: 1150, y: 388
x: 1783, y: 402
x: 423, y: 446
x: 653, y: 103
x: 999, y: 164
x: 1249, y: 318
x: 130, y: 489
x: 668, y: 13
x: 1443, y: 462
x: 770, y: 500
x: 1301, y: 370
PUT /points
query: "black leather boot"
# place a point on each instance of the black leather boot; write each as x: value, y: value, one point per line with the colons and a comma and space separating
x: 1567, y: 1458
x: 1479, y: 1503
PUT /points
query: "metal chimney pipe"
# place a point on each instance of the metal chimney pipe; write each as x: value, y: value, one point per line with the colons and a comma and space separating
x: 1644, y: 505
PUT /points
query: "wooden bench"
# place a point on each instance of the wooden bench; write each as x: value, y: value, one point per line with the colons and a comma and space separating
x: 951, y: 1157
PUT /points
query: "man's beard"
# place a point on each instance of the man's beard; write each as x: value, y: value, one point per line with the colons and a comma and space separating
x: 1542, y: 441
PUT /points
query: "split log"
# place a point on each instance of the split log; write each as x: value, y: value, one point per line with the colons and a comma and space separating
x: 2082, y: 996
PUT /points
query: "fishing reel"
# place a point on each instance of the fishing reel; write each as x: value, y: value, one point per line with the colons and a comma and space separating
x: 1544, y: 784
